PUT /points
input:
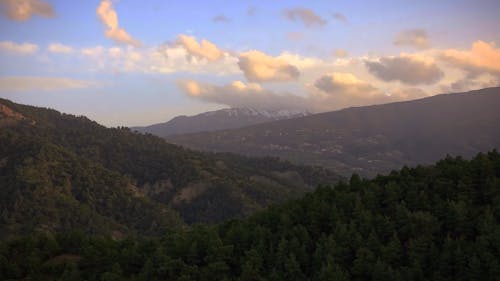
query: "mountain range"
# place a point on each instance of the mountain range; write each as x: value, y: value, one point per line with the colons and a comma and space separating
x: 60, y: 172
x: 228, y: 118
x: 79, y: 201
x: 371, y: 139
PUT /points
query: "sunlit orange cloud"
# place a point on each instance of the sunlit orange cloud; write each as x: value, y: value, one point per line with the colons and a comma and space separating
x: 204, y: 50
x: 483, y: 57
x: 259, y: 67
x: 341, y: 53
x: 344, y: 84
x: 108, y: 16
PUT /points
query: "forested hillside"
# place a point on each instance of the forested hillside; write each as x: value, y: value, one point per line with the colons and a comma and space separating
x: 61, y: 172
x: 440, y: 222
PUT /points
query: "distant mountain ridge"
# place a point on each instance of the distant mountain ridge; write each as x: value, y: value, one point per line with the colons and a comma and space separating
x: 228, y: 118
x: 370, y: 139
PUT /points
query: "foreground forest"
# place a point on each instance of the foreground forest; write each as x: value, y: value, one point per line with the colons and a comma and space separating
x: 439, y: 222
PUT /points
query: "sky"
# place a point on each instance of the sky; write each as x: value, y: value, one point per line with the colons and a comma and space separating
x: 131, y: 62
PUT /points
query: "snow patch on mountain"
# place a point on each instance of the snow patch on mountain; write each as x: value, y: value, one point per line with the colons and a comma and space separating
x: 248, y: 111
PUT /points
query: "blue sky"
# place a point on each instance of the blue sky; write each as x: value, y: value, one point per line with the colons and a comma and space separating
x: 313, y: 55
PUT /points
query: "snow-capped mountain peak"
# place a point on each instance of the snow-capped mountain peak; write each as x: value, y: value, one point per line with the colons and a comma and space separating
x: 249, y: 111
x: 228, y: 118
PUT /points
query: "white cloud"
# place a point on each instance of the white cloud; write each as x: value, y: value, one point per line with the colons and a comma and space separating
x: 203, y: 50
x: 59, y: 48
x: 301, y: 62
x: 326, y: 83
x: 18, y: 49
x: 165, y: 59
x: 171, y: 59
x: 93, y: 51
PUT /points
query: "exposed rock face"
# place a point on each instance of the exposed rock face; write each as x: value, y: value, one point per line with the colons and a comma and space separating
x: 9, y: 117
x: 7, y: 112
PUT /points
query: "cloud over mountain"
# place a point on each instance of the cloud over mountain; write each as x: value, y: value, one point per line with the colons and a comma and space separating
x: 344, y: 84
x: 259, y: 67
x: 340, y: 90
x: 329, y: 92
x: 483, y: 57
x: 411, y: 70
x: 240, y: 94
